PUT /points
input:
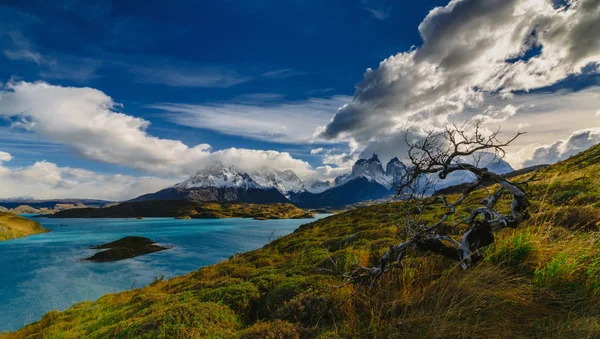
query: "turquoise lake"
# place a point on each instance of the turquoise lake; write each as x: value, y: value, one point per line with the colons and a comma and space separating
x: 43, y: 272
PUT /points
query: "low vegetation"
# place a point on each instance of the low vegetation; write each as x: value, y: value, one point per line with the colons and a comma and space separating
x: 125, y: 248
x: 181, y: 209
x: 541, y: 280
x: 14, y: 226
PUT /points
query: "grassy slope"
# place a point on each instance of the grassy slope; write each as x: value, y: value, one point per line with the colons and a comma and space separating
x: 14, y: 226
x: 540, y: 280
x: 172, y: 208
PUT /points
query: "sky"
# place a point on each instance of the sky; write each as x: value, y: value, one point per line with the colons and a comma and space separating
x: 112, y: 99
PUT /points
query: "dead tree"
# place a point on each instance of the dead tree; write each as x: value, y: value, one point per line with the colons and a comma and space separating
x: 440, y: 154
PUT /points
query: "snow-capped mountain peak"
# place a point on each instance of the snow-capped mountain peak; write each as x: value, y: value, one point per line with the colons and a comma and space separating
x: 219, y: 175
x: 284, y: 181
x: 370, y: 169
x: 319, y: 186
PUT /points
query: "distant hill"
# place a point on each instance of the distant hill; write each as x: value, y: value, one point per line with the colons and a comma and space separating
x: 191, y: 209
x: 14, y: 226
x: 34, y: 206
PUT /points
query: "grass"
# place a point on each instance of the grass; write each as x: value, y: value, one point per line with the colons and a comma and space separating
x: 541, y: 280
x: 13, y: 226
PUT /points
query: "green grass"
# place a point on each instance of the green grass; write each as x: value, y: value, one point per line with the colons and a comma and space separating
x: 540, y: 280
x: 13, y: 226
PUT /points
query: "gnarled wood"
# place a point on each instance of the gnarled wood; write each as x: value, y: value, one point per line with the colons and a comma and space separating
x: 440, y: 154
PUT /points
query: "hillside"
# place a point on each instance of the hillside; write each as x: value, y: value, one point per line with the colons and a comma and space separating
x: 14, y: 226
x: 32, y: 206
x: 196, y: 210
x: 539, y: 280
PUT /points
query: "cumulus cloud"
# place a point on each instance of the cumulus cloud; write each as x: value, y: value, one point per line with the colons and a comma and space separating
x: 45, y: 180
x: 89, y: 122
x: 562, y: 149
x: 493, y: 114
x: 340, y: 160
x: 4, y: 156
x: 315, y: 151
x: 472, y: 50
x: 285, y: 122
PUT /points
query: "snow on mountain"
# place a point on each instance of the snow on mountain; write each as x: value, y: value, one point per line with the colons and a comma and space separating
x: 319, y: 186
x: 219, y: 175
x: 370, y: 169
x: 284, y: 181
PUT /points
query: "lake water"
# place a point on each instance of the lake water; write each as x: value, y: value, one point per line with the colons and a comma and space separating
x: 43, y: 272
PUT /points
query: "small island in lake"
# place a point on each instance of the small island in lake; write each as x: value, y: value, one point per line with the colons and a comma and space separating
x: 125, y: 248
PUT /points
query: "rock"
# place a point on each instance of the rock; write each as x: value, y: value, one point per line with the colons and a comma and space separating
x: 183, y: 217
x: 125, y: 248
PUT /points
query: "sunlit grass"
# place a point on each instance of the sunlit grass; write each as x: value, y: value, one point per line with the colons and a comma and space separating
x: 539, y: 280
x: 14, y: 226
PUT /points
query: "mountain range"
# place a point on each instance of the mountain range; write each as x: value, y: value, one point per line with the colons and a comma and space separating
x: 368, y: 180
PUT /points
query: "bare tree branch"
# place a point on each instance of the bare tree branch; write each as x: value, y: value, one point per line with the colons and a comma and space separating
x: 441, y: 154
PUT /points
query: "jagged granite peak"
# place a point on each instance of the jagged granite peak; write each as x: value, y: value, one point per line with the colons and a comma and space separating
x: 394, y: 167
x: 370, y: 169
x: 284, y: 181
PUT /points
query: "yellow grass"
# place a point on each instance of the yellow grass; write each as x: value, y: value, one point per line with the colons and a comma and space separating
x: 14, y: 226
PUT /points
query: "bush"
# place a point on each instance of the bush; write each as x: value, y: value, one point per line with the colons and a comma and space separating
x: 180, y: 320
x: 308, y: 309
x: 574, y: 217
x: 239, y: 296
x: 287, y: 289
x: 271, y: 330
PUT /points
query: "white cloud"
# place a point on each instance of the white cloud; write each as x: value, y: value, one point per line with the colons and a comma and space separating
x: 561, y: 149
x: 378, y: 10
x: 5, y: 156
x: 472, y: 52
x: 87, y: 121
x: 46, y: 180
x: 54, y: 66
x: 315, y: 151
x: 342, y: 160
x: 493, y: 114
x: 282, y: 73
x: 188, y: 76
x: 21, y: 49
x: 290, y: 122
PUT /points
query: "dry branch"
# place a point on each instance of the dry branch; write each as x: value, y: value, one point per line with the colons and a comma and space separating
x: 441, y: 154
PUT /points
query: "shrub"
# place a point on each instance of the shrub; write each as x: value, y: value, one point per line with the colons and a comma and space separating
x: 271, y: 330
x: 308, y: 309
x: 239, y: 296
x: 574, y: 217
x: 288, y: 289
x: 179, y: 320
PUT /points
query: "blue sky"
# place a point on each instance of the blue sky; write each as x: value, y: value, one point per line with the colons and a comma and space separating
x: 293, y: 49
x: 143, y: 95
